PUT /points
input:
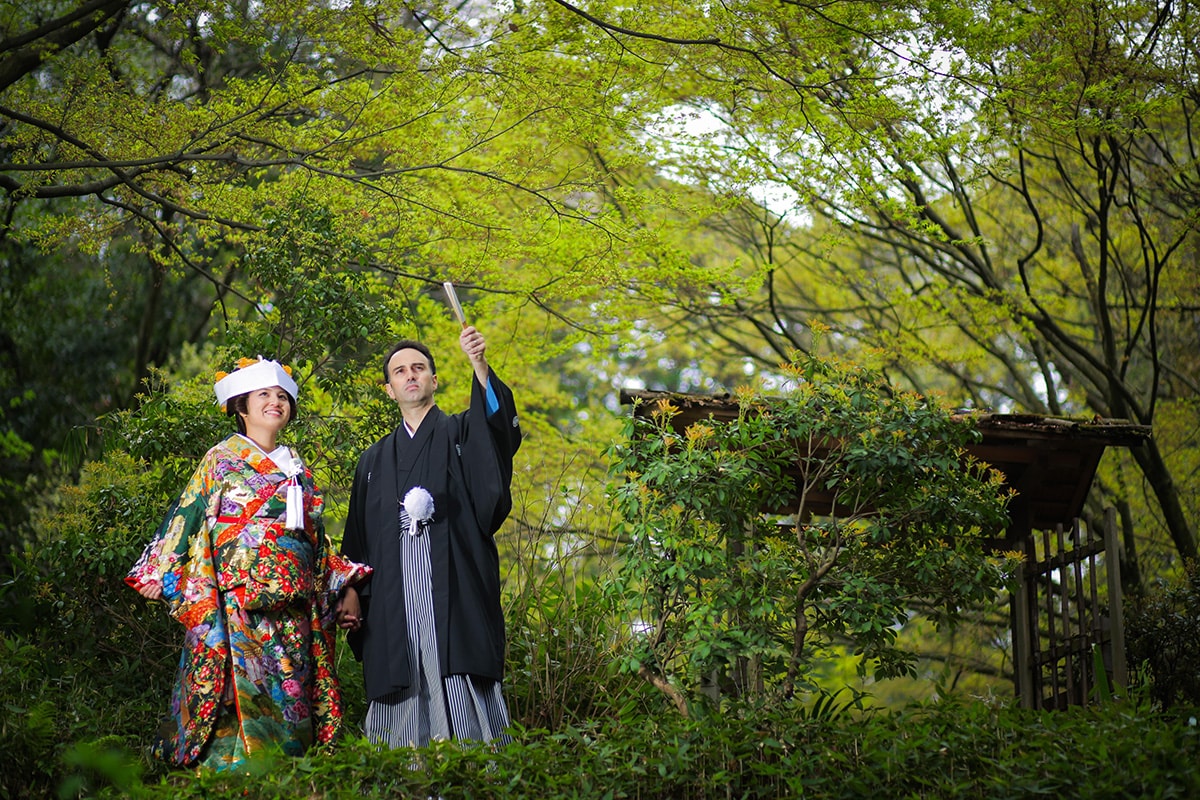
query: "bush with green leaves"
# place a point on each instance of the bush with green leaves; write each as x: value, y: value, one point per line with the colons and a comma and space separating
x: 84, y: 659
x: 729, y: 597
x: 824, y: 750
x: 563, y: 667
x: 1163, y: 640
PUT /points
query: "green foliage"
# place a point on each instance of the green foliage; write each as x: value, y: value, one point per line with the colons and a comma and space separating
x: 995, y: 200
x: 84, y: 657
x: 944, y: 750
x: 318, y: 304
x: 75, y: 336
x: 879, y: 507
x: 1163, y: 640
x: 562, y: 657
x: 28, y: 732
x: 93, y: 765
x: 171, y: 428
x: 315, y: 171
x: 296, y: 179
x: 310, y: 175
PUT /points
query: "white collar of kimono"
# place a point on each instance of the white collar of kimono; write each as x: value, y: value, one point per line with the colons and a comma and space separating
x: 291, y: 465
x: 283, y: 458
x: 259, y: 375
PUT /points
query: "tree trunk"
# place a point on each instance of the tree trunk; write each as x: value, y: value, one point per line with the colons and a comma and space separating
x: 1149, y: 458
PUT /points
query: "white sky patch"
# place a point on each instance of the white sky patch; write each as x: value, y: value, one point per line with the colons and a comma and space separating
x: 1043, y: 391
x: 683, y: 134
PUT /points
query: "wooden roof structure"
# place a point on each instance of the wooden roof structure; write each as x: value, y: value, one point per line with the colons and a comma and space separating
x: 1049, y: 461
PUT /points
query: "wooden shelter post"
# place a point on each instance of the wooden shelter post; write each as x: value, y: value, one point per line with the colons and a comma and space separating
x: 1116, y: 600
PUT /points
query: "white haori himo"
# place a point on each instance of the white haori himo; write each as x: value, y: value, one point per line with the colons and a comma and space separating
x: 418, y: 504
x: 290, y: 464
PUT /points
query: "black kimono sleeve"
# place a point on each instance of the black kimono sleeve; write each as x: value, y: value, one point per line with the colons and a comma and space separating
x: 355, y: 544
x: 487, y: 454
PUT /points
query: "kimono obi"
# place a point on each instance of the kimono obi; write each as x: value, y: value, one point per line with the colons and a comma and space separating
x: 264, y: 564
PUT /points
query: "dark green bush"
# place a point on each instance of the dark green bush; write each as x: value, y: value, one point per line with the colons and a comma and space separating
x: 1163, y: 640
x: 946, y: 750
x: 84, y: 658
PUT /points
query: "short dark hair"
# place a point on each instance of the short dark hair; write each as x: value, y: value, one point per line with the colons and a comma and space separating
x: 408, y: 344
x: 240, y: 404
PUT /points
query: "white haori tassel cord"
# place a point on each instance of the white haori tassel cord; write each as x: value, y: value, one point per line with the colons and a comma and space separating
x: 295, y: 504
x: 418, y: 504
x: 295, y: 495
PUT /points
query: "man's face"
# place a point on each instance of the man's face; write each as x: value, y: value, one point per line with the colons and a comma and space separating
x: 410, y: 383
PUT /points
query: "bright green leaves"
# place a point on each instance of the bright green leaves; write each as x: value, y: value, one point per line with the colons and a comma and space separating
x: 820, y: 513
x: 317, y: 302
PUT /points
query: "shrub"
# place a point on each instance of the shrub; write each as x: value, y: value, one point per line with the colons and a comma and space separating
x: 1163, y: 640
x: 83, y: 656
x: 871, y: 506
x: 945, y: 750
x: 564, y: 649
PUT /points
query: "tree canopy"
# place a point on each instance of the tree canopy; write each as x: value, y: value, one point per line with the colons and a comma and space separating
x: 999, y: 199
x: 985, y: 204
x: 990, y: 201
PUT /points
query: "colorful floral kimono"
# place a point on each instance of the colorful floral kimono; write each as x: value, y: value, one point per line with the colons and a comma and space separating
x: 256, y: 600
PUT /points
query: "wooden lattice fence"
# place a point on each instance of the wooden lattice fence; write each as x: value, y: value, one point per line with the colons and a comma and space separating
x: 1069, y: 643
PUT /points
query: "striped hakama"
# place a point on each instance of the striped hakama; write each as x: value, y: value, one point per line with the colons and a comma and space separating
x: 435, y: 706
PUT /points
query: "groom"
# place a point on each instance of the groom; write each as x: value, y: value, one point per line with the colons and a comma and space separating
x: 426, y: 503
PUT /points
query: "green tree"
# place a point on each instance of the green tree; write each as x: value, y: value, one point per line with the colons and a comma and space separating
x: 77, y: 335
x: 874, y: 506
x: 999, y: 199
x: 307, y: 174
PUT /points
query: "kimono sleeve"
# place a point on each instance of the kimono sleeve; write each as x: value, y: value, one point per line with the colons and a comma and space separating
x: 355, y: 548
x: 488, y: 451
x: 179, y: 556
x: 334, y: 571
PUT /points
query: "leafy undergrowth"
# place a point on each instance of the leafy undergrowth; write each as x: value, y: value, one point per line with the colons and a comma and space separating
x: 86, y: 668
x: 947, y: 750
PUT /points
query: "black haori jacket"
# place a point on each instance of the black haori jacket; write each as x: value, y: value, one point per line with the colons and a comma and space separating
x: 465, y: 461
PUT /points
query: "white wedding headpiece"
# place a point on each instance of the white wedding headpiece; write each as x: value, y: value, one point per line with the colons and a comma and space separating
x: 259, y: 375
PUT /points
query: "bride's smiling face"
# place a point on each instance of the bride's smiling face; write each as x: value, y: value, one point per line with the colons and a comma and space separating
x: 267, y: 412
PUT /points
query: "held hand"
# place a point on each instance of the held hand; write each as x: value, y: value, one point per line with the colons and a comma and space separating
x: 349, y: 611
x: 150, y: 591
